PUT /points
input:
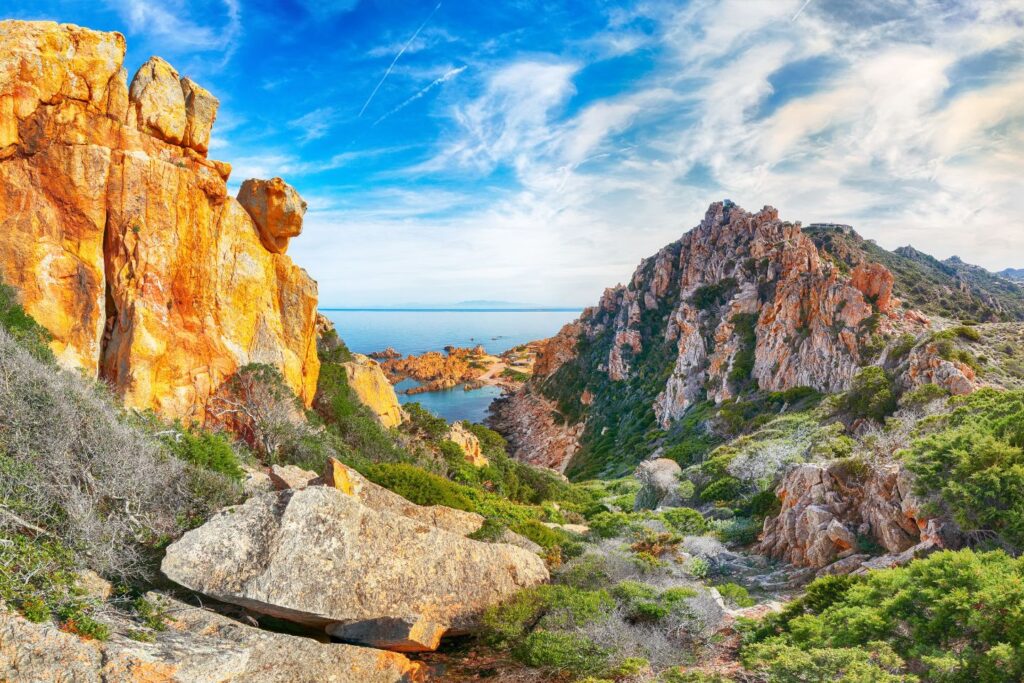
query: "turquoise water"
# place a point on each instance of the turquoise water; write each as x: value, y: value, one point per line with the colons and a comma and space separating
x: 418, y: 331
x: 452, y: 404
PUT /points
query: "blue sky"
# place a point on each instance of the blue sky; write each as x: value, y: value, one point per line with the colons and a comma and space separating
x: 535, y: 151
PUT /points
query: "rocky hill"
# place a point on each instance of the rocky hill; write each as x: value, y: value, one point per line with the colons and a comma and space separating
x: 1013, y: 274
x: 745, y: 304
x: 949, y: 288
x: 122, y: 239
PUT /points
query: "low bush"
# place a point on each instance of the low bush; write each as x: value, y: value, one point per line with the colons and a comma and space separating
x: 561, y: 651
x: 735, y: 594
x: 22, y: 328
x: 686, y: 521
x: 74, y: 465
x: 872, y: 395
x: 953, y: 616
x: 609, y: 524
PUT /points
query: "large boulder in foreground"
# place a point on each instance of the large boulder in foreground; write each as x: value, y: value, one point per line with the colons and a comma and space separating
x: 198, y: 646
x: 321, y: 558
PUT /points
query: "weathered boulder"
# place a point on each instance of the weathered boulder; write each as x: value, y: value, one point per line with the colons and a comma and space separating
x: 322, y: 558
x: 875, y: 281
x: 158, y: 102
x: 659, y: 483
x: 276, y: 208
x: 198, y: 646
x: 469, y: 444
x: 118, y: 229
x: 927, y: 366
x: 284, y: 477
x: 373, y: 389
x: 200, y: 113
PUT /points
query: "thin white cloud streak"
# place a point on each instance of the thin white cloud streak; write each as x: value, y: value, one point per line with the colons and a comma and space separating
x: 394, y: 61
x: 443, y: 78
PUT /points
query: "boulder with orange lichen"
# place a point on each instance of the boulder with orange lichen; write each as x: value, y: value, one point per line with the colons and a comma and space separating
x: 122, y: 239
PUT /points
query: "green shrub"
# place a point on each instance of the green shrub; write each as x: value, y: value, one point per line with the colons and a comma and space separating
x: 736, y: 594
x: 207, y: 450
x: 738, y: 530
x: 419, y: 486
x: 903, y: 346
x: 722, y: 490
x: 789, y: 664
x: 562, y: 652
x: 549, y: 606
x: 698, y: 568
x: 37, y: 578
x: 609, y: 524
x: 872, y: 394
x: 979, y: 478
x: 686, y: 521
x: 953, y: 616
x: 29, y: 334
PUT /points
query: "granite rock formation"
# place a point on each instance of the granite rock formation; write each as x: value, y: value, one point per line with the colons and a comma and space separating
x: 121, y: 237
x: 324, y: 559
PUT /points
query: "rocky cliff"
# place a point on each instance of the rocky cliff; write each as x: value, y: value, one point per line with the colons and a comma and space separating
x: 122, y: 239
x: 742, y: 302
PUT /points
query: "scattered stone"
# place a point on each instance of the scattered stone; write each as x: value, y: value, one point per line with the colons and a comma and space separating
x: 290, y: 477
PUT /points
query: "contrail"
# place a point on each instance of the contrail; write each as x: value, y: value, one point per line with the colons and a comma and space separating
x: 395, y: 60
x: 802, y: 8
x: 447, y: 76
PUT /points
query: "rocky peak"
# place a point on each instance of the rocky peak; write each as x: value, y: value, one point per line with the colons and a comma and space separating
x: 119, y: 228
x: 743, y: 295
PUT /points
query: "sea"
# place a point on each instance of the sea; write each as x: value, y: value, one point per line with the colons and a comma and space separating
x: 416, y: 331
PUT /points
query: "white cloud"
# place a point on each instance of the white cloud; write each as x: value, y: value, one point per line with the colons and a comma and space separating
x: 207, y: 26
x: 314, y: 124
x: 884, y: 136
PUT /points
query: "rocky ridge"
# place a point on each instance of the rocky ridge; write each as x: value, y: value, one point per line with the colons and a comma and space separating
x: 743, y: 299
x: 122, y: 239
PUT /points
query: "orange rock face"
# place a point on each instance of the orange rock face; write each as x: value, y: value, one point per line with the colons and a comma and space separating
x: 121, y: 237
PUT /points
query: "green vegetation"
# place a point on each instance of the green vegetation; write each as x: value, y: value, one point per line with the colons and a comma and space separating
x: 872, y: 394
x: 954, y: 616
x: 948, y: 288
x: 29, y: 334
x: 974, y: 465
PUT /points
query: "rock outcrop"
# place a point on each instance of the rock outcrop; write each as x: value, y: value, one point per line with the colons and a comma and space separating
x: 322, y: 558
x: 743, y: 300
x: 197, y: 645
x: 927, y: 366
x: 121, y: 237
x: 467, y: 441
x: 276, y: 208
x: 828, y: 511
x: 525, y: 419
x: 373, y: 389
